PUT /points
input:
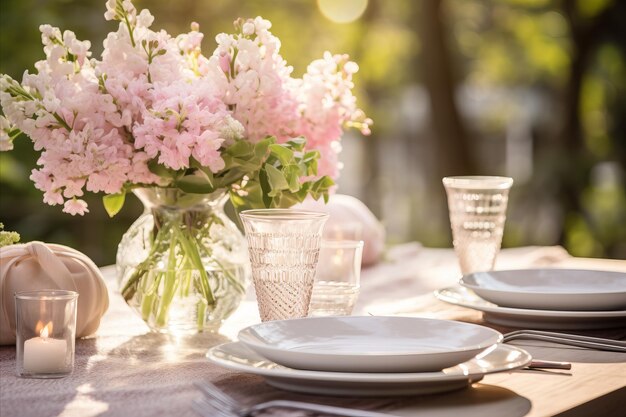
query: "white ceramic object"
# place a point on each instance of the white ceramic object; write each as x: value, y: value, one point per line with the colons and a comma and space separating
x: 532, y: 319
x: 368, y: 344
x: 350, y: 219
x: 551, y: 289
x: 239, y: 357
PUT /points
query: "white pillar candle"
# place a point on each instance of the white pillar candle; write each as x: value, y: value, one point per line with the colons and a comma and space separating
x: 44, y: 354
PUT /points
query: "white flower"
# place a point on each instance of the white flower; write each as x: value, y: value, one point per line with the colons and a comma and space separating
x: 110, y: 13
x: 76, y: 47
x: 225, y: 41
x: 113, y: 12
x: 6, y: 142
x: 351, y: 67
x: 262, y: 24
x: 248, y: 28
x: 49, y: 33
x: 145, y: 19
x: 231, y: 130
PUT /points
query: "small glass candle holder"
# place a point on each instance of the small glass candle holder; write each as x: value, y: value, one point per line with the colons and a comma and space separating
x: 343, y: 231
x: 45, y: 333
x: 337, y: 280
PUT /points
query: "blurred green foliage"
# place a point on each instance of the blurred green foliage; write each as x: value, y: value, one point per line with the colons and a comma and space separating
x: 569, y: 55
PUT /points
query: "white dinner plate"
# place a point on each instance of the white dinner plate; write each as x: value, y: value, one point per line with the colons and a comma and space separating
x: 551, y: 289
x: 368, y: 344
x: 532, y: 319
x: 500, y: 358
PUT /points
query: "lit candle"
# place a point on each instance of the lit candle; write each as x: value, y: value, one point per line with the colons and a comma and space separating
x: 44, y: 354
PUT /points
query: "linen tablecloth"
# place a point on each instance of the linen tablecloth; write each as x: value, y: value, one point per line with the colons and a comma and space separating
x: 125, y: 370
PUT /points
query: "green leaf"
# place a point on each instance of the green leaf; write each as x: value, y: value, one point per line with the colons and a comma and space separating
x: 262, y: 147
x: 265, y: 188
x: 292, y: 174
x: 196, y: 184
x: 276, y: 180
x: 228, y: 162
x: 320, y: 188
x: 288, y: 200
x: 207, y: 175
x: 311, y: 168
x: 246, y: 165
x: 157, y: 169
x: 253, y: 198
x: 297, y: 144
x: 284, y: 155
x: 232, y: 176
x: 311, y: 155
x: 323, y: 183
x: 113, y: 203
x: 240, y: 149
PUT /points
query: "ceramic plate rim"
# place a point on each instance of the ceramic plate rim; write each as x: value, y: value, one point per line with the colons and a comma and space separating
x: 494, y: 308
x: 362, y: 377
x: 516, y: 291
x: 495, y: 338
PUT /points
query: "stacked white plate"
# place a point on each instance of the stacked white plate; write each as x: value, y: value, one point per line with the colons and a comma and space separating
x: 369, y: 355
x: 544, y: 298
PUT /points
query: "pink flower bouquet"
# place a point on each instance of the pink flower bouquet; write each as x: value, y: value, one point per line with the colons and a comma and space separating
x: 155, y: 111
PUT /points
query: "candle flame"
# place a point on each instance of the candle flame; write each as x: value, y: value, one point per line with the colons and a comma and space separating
x: 44, y: 331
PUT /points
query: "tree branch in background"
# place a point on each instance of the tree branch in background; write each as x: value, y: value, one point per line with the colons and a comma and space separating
x: 452, y: 139
x: 585, y: 34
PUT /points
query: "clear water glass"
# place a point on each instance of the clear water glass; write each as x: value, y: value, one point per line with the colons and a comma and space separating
x: 284, y: 247
x: 342, y: 230
x: 337, y: 280
x: 477, y: 206
x: 45, y: 333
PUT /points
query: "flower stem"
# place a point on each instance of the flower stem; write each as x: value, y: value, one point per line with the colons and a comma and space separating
x: 201, y: 315
x: 141, y: 270
x: 147, y: 304
x: 130, y: 30
x: 191, y: 251
x: 169, y: 286
x: 62, y: 122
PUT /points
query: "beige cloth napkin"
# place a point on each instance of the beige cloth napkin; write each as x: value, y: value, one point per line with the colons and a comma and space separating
x: 37, y: 266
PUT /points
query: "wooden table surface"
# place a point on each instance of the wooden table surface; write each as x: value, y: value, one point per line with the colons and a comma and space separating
x: 124, y: 370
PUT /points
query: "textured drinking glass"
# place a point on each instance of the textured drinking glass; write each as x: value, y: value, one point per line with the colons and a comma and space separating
x: 477, y: 206
x: 45, y: 324
x: 284, y: 248
x: 337, y: 280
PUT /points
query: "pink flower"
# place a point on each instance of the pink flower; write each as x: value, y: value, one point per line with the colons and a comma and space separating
x: 224, y: 60
x: 183, y: 120
x: 75, y: 206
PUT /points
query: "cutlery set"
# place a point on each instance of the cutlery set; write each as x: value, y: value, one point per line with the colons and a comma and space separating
x: 216, y: 403
x: 596, y: 343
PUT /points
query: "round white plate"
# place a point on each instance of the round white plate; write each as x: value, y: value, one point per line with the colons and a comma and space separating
x: 551, y: 289
x: 500, y: 358
x: 368, y: 344
x: 532, y: 319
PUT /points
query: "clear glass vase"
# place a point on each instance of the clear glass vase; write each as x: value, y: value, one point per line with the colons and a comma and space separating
x: 183, y: 265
